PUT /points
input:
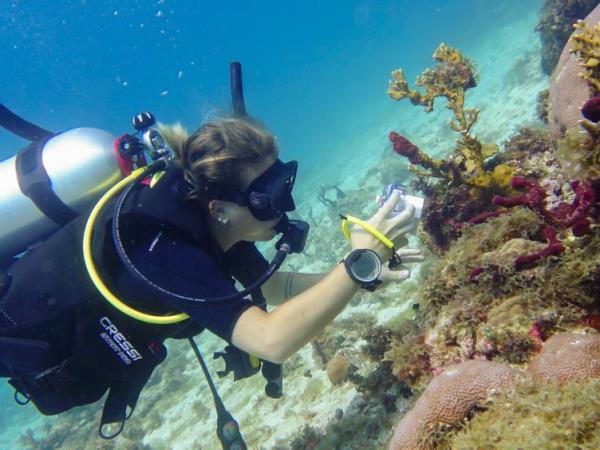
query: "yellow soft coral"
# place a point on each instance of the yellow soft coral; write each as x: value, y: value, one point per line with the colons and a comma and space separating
x: 586, y: 44
x: 452, y: 76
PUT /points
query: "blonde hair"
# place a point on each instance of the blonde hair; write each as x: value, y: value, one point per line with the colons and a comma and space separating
x: 219, y: 152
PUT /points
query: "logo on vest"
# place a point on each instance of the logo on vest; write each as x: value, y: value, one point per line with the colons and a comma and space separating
x: 117, y: 342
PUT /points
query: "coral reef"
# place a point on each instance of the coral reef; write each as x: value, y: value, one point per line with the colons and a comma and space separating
x: 557, y: 403
x: 338, y: 368
x: 471, y: 173
x: 409, y: 358
x: 568, y: 357
x: 542, y: 106
x: 511, y: 282
x: 459, y: 319
x: 378, y: 340
x: 533, y: 146
x: 577, y: 215
x: 446, y: 209
x: 448, y: 399
x: 546, y: 416
x: 585, y: 43
x: 382, y: 384
x: 458, y: 390
x: 450, y: 207
x: 568, y: 89
x: 451, y: 78
x: 579, y: 154
x: 556, y: 25
x: 357, y: 428
x: 574, y: 215
x: 525, y: 142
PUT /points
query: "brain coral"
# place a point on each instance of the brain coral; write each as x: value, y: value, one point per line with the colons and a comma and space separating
x: 568, y: 91
x: 568, y: 357
x: 447, y: 400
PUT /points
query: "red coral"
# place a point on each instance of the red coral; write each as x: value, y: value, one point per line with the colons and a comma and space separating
x: 474, y: 274
x: 554, y: 248
x: 577, y: 215
x: 591, y: 109
x: 404, y: 147
x: 564, y: 215
x: 482, y: 217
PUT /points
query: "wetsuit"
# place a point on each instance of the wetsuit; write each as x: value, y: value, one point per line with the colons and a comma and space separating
x: 58, y: 336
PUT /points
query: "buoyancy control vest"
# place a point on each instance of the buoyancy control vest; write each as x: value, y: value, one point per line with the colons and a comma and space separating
x: 56, y: 330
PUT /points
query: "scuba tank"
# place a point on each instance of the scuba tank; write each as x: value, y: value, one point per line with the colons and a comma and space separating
x: 52, y: 181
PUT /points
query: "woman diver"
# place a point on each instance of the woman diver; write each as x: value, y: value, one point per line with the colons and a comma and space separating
x: 235, y: 155
x: 175, y: 244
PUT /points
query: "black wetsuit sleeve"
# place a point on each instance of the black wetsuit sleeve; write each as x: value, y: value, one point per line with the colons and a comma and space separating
x: 186, y: 269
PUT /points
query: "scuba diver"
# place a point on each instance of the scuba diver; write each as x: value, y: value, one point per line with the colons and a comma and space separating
x: 162, y: 251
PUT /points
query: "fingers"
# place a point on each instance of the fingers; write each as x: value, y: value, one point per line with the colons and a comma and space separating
x: 394, y: 276
x: 406, y: 215
x: 409, y: 251
x: 398, y: 275
x: 389, y: 204
x: 402, y: 274
x: 408, y: 255
x: 399, y: 233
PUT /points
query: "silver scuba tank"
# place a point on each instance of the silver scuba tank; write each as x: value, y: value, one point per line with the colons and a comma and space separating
x: 62, y: 177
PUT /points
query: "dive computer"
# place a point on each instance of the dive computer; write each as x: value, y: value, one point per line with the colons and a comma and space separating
x: 364, y: 267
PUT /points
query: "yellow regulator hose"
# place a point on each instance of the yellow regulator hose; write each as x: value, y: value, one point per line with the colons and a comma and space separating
x: 91, y: 267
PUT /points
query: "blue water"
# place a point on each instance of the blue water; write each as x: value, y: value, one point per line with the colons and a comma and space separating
x: 315, y: 72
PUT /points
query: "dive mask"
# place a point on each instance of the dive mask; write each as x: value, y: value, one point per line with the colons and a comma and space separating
x: 270, y: 195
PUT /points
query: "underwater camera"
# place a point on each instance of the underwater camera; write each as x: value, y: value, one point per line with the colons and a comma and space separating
x: 405, y: 199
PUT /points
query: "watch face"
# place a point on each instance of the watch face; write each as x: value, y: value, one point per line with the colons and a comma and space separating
x: 366, y: 266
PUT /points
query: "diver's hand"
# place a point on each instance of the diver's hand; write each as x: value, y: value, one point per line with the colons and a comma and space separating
x: 393, y: 227
x: 401, y: 272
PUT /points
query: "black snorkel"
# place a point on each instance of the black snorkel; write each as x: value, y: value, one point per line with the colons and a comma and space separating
x: 237, y: 89
x: 21, y: 127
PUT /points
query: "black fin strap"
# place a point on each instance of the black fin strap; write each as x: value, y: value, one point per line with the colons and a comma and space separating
x: 114, y: 411
x: 21, y: 398
x: 35, y: 183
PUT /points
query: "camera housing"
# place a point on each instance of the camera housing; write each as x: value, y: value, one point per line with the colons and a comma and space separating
x: 405, y: 199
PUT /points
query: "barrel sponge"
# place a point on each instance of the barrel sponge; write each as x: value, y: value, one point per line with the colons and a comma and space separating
x: 448, y: 399
x: 568, y: 90
x: 568, y: 357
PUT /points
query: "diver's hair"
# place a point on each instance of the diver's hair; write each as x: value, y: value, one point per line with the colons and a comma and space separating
x: 219, y: 152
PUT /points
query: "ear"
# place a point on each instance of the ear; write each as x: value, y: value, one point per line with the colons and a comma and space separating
x: 219, y: 211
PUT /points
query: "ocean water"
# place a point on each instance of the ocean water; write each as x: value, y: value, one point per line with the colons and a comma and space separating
x: 316, y: 74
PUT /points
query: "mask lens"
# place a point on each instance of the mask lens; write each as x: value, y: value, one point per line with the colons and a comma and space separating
x: 270, y: 195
